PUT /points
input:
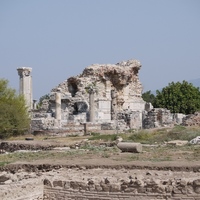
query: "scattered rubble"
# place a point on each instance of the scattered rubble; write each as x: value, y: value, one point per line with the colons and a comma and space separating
x: 195, y: 140
x: 192, y: 120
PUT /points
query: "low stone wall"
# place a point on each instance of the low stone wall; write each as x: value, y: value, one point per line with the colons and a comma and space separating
x: 65, y: 130
x: 15, y: 146
x: 47, y: 182
x: 134, y: 190
x: 122, y: 185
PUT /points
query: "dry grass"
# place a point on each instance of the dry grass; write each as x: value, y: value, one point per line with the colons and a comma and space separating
x: 92, y: 150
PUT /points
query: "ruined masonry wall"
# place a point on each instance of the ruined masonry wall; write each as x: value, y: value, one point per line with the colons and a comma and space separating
x: 121, y: 78
x: 123, y: 184
x: 48, y: 182
x: 180, y: 190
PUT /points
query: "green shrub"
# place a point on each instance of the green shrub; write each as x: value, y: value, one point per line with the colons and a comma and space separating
x: 141, y: 136
x: 14, y: 117
x: 95, y: 134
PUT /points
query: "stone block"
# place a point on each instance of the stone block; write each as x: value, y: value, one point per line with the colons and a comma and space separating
x: 130, y: 147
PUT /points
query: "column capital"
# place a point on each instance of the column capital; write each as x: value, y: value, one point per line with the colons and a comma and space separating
x: 24, y: 71
x: 91, y: 90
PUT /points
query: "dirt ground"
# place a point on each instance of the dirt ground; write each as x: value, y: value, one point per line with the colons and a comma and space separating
x: 152, y: 157
x: 77, y: 159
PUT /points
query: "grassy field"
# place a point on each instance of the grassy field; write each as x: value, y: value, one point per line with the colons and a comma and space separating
x: 155, y: 148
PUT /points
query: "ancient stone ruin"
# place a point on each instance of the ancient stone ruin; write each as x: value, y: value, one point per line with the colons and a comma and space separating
x: 192, y: 119
x: 103, y: 97
x: 47, y: 182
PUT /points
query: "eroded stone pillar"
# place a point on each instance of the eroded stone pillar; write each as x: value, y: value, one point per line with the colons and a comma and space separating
x: 92, y: 107
x: 58, y: 106
x: 25, y: 87
x: 108, y: 89
x: 34, y: 104
x: 113, y: 105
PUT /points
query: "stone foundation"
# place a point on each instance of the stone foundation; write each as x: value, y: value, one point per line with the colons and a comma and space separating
x: 54, y: 194
x: 66, y: 130
x: 132, y: 190
x: 48, y: 182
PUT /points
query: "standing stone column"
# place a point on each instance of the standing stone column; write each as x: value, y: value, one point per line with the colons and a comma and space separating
x: 34, y: 104
x: 25, y: 87
x: 108, y: 89
x: 91, y: 102
x: 113, y: 104
x: 58, y: 106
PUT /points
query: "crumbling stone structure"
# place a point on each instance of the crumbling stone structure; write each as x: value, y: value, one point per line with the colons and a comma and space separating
x: 157, y: 117
x: 161, y: 117
x: 109, y: 95
x: 101, y: 94
x: 117, y: 89
x: 192, y: 119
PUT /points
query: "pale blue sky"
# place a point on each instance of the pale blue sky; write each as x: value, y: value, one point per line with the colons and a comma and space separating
x: 59, y: 38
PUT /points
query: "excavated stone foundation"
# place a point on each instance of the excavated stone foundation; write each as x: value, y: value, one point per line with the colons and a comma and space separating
x: 48, y: 182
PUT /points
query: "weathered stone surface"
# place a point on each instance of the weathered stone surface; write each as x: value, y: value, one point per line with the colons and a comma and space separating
x: 22, y: 185
x: 195, y: 140
x: 79, y: 182
x: 3, y: 178
x: 157, y: 117
x: 126, y: 184
x: 192, y: 119
x: 108, y: 94
x: 116, y: 96
x: 121, y: 78
x: 130, y: 147
x: 26, y: 85
x: 177, y: 142
x: 116, y: 76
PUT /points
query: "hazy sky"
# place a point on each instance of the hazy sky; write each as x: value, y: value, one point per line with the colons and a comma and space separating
x: 59, y: 38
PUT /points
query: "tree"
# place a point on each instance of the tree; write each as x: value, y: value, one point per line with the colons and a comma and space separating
x: 14, y: 116
x: 179, y: 98
x: 149, y: 97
